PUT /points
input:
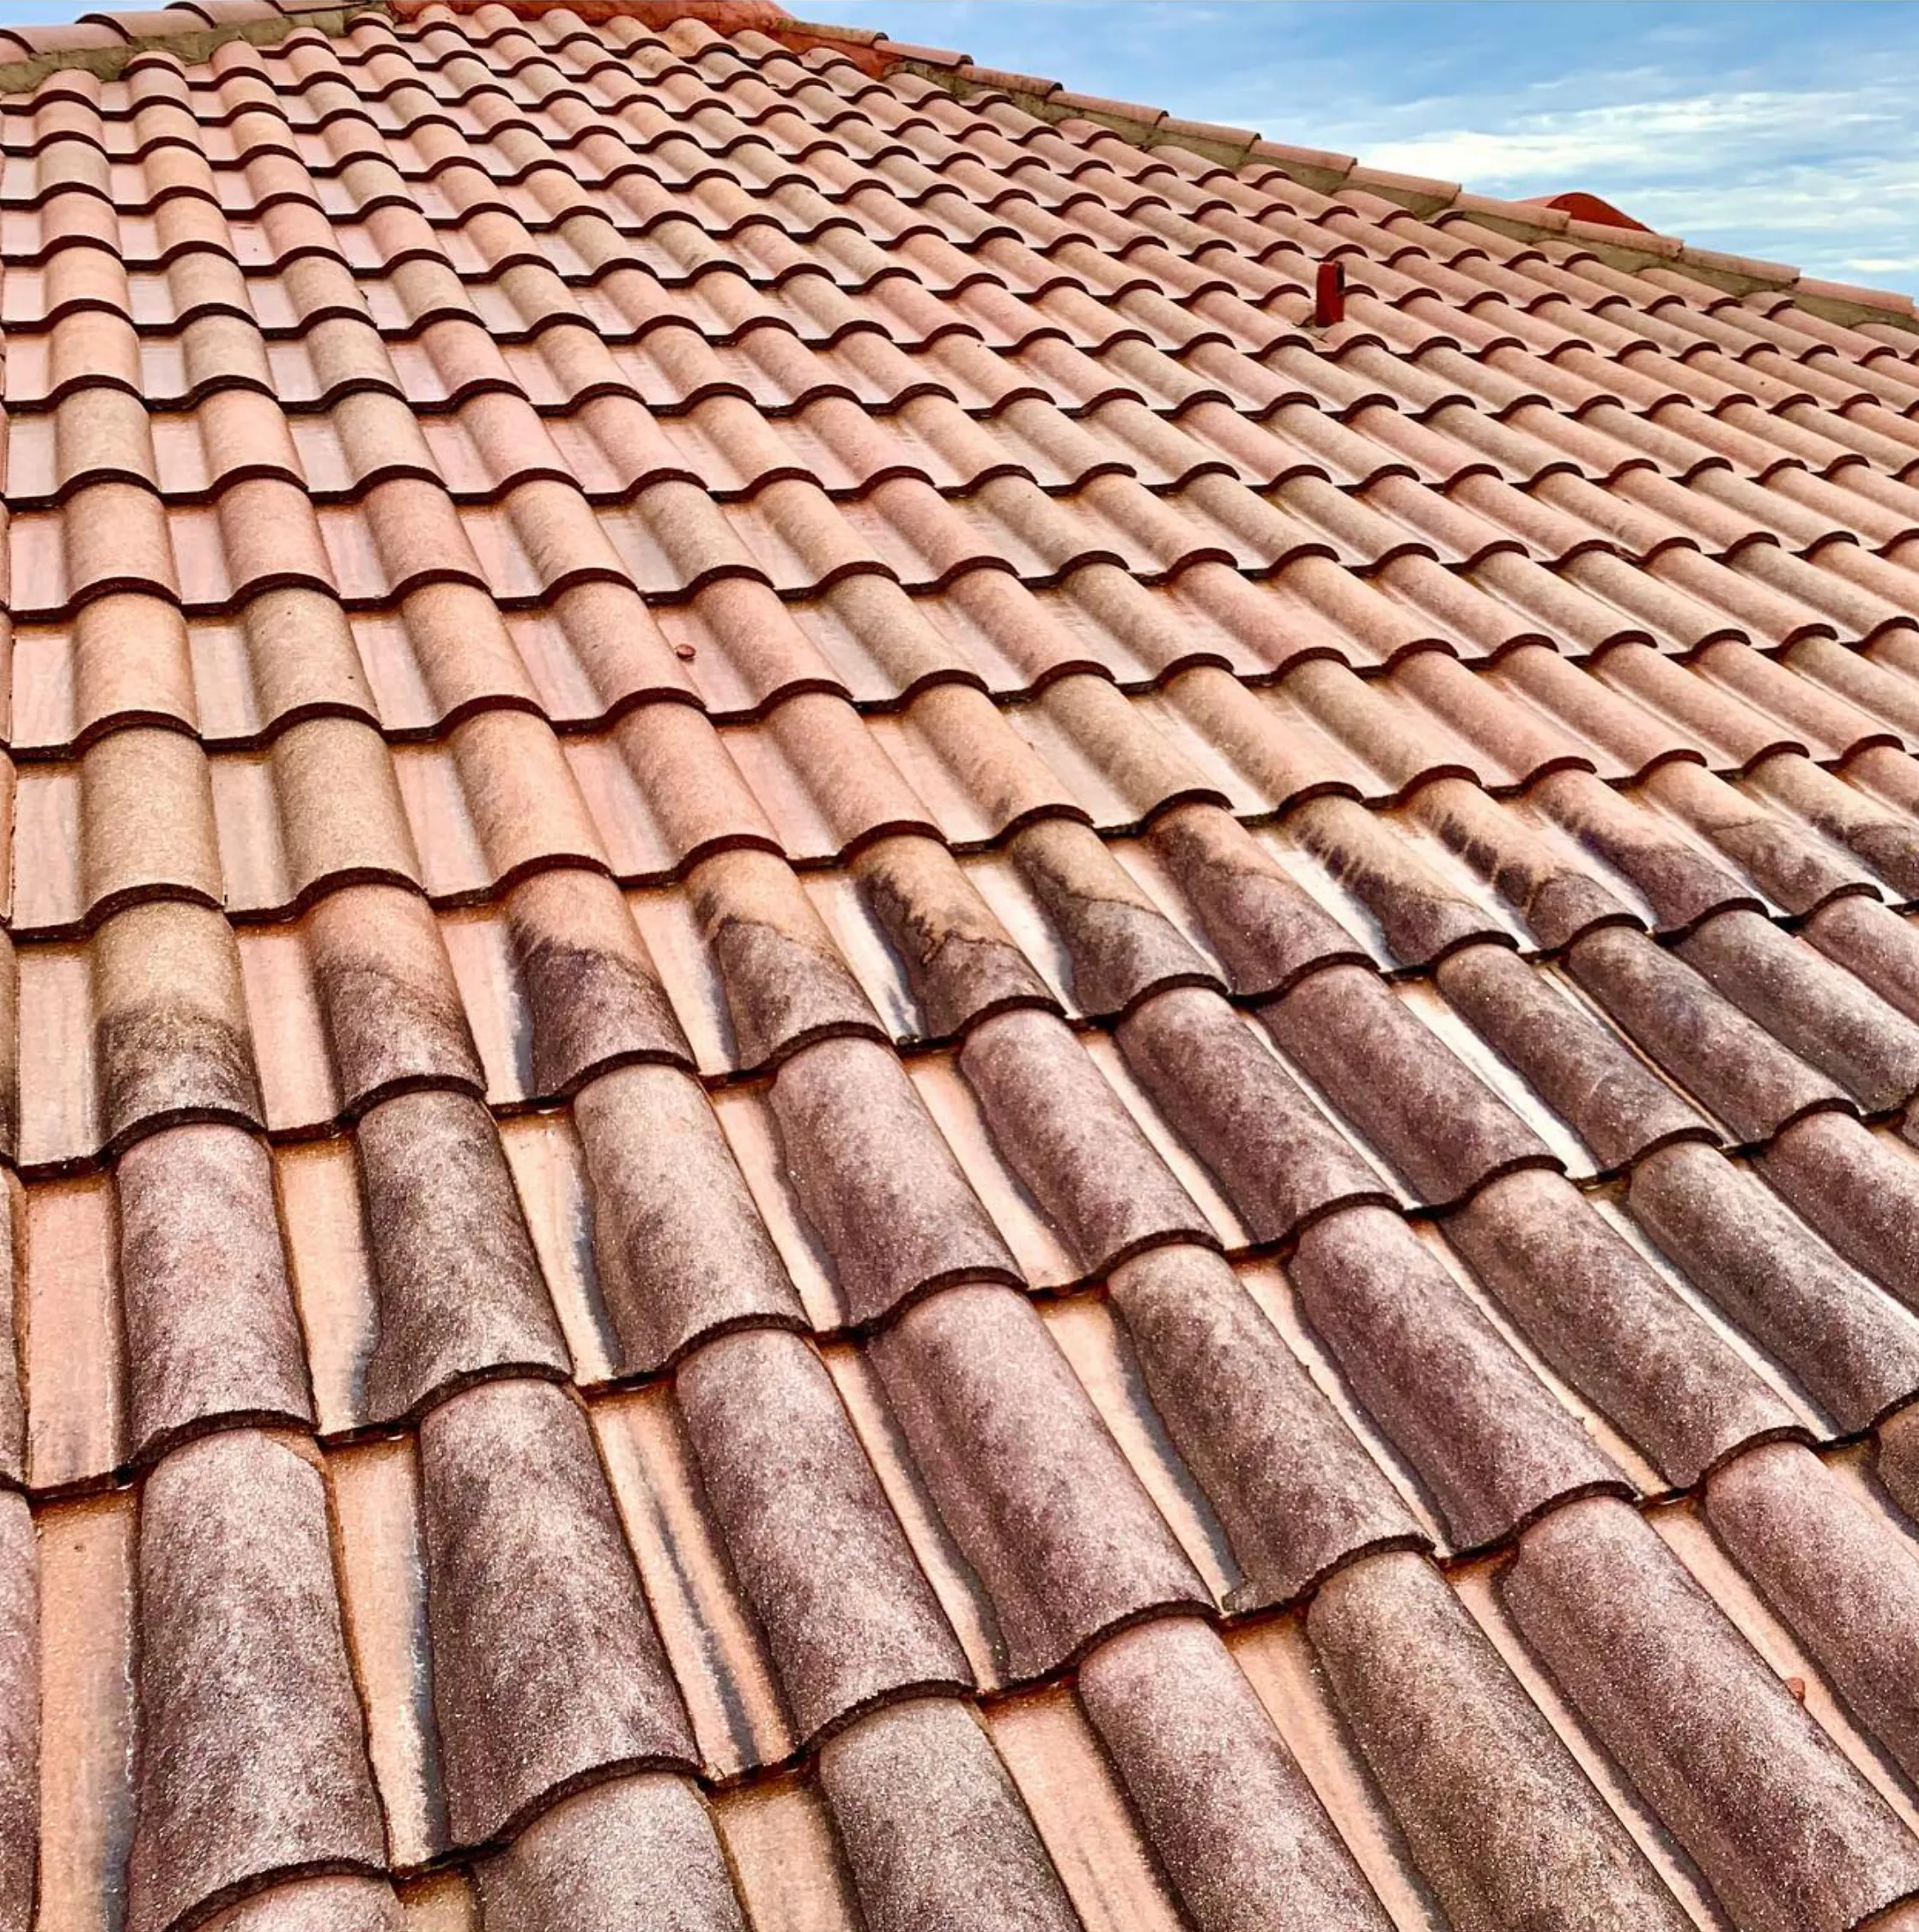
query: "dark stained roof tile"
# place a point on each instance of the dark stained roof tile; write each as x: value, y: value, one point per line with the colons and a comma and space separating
x: 1295, y: 1493
x: 1396, y: 1081
x: 546, y: 1666
x: 786, y: 985
x: 1499, y: 1814
x: 244, y: 1683
x: 1593, y: 1308
x: 1120, y: 945
x: 211, y: 1330
x: 1802, y: 997
x: 12, y: 1395
x: 1484, y: 1435
x: 1421, y: 917
x: 594, y: 991
x: 848, y: 1616
x: 19, y: 1711
x: 1263, y: 923
x: 1278, y: 1158
x: 170, y: 1034
x: 971, y: 1374
x: 1232, y: 1816
x: 882, y: 1189
x: 1681, y: 882
x: 1879, y: 947
x: 610, y: 1854
x: 1785, y: 860
x: 9, y: 1048
x: 960, y: 961
x: 461, y: 1294
x: 1855, y: 1348
x: 1748, y: 1078
x: 1782, y: 1826
x: 1831, y: 1564
x: 1072, y: 1141
x: 393, y: 1012
x: 681, y: 1251
x: 1588, y: 1076
x: 1857, y: 1189
x: 936, y: 1835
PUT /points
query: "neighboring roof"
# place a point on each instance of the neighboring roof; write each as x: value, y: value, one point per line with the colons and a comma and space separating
x: 883, y: 1064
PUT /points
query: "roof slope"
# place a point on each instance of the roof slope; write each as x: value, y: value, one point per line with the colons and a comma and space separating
x: 881, y: 1065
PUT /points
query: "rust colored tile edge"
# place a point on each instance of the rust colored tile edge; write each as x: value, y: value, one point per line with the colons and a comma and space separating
x: 722, y: 16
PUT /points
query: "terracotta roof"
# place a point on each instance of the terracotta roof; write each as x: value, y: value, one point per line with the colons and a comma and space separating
x: 881, y: 1068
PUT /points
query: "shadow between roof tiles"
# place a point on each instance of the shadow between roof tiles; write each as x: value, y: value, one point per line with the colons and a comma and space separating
x: 875, y: 1064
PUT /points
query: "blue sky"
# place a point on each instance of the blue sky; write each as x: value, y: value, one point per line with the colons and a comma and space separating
x: 1769, y: 127
x: 1782, y: 128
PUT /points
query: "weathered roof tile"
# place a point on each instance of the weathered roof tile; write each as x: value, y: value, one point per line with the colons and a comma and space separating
x: 244, y: 1683
x: 1782, y: 1824
x: 847, y: 1612
x: 546, y: 1666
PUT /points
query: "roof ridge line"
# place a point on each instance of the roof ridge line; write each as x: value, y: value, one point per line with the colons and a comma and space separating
x: 104, y: 43
x: 1627, y: 245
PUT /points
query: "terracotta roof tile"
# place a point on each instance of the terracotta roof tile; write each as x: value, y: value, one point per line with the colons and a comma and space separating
x: 1295, y: 1493
x: 1498, y: 1815
x: 1588, y: 1301
x: 610, y: 1851
x: 848, y: 1615
x: 533, y: 1687
x: 863, y: 1052
x: 877, y: 1180
x: 976, y: 1863
x: 210, y: 1341
x: 242, y: 1665
x: 1179, y: 1718
x: 1788, y: 1520
x: 1594, y: 1580
x: 1850, y: 1345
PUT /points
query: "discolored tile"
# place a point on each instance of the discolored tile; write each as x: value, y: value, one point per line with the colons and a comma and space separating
x: 242, y: 1667
x: 546, y: 1664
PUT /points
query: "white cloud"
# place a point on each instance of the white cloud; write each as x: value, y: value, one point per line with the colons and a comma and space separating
x: 1658, y: 137
x: 1820, y: 176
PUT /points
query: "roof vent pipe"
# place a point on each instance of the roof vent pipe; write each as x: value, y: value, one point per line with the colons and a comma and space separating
x: 1329, y: 294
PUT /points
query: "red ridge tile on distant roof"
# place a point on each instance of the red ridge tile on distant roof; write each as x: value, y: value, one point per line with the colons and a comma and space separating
x: 1583, y: 207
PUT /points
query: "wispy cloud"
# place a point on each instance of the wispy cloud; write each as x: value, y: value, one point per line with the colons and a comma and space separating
x: 1820, y: 172
x: 1691, y: 133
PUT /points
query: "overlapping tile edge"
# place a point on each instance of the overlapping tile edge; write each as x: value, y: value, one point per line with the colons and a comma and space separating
x: 1129, y: 1773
